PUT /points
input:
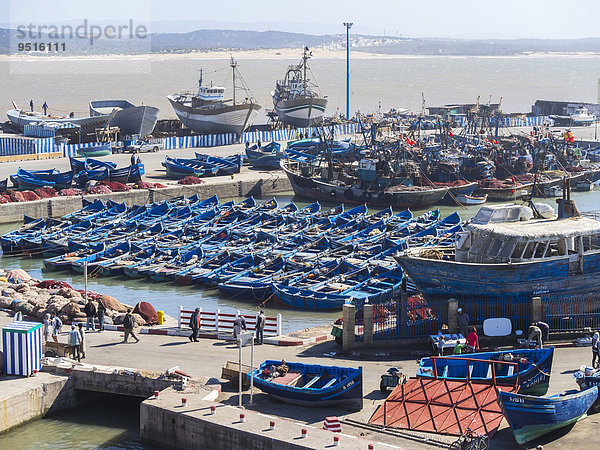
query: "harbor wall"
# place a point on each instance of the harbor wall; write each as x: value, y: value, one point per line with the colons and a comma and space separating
x: 25, y: 399
x: 228, y: 188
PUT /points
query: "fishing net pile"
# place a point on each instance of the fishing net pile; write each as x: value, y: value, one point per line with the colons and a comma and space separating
x: 147, y: 185
x: 190, y: 181
x: 46, y: 192
x: 115, y: 186
x: 100, y: 189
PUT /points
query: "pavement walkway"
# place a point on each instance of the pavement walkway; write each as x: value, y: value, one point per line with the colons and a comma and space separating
x: 205, y: 359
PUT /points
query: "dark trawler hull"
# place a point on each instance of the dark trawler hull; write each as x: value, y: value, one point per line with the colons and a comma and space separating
x: 301, y: 112
x: 320, y: 190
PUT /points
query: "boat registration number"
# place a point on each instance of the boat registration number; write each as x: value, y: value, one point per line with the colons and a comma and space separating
x: 517, y: 400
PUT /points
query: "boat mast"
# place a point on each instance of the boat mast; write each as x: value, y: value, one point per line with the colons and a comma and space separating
x: 233, y: 66
x: 305, y: 59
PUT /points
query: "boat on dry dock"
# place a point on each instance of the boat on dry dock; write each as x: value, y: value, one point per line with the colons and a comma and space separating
x: 131, y: 119
x: 207, y: 111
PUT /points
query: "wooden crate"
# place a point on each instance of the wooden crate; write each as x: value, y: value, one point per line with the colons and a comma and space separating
x: 231, y: 371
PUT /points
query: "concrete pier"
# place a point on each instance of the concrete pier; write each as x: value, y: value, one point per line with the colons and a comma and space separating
x: 166, y: 422
x: 25, y: 399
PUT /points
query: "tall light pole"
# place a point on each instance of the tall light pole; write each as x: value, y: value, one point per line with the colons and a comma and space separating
x: 348, y: 25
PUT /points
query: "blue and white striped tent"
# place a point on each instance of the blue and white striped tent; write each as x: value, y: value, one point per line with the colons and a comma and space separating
x: 22, y: 347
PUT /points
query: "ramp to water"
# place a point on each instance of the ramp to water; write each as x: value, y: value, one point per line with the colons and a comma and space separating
x: 441, y: 406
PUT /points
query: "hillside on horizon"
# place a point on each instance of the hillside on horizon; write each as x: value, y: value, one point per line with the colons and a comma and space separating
x: 239, y: 40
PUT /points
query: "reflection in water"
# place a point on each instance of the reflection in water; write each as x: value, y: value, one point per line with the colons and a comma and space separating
x: 109, y: 422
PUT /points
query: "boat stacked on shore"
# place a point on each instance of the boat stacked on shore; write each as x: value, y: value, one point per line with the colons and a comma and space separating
x: 302, y: 257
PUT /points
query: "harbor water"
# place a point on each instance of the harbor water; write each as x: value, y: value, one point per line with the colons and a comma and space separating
x: 68, y: 84
x: 168, y: 297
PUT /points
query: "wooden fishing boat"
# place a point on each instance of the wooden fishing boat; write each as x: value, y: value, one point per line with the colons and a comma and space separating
x: 130, y: 174
x: 531, y: 417
x: 180, y: 168
x: 96, y: 150
x: 311, y: 385
x: 77, y: 165
x: 398, y: 196
x: 531, y: 371
x: 265, y: 157
x: 469, y: 200
x: 227, y: 165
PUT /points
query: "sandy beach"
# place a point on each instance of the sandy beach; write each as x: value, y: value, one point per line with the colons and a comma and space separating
x: 276, y: 53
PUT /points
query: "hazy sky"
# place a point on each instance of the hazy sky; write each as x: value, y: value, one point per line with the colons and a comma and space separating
x: 413, y: 18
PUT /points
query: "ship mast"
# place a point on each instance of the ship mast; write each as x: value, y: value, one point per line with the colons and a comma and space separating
x: 305, y: 59
x: 233, y: 65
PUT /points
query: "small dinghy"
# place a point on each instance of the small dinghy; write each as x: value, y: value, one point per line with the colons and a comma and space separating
x: 311, y: 384
x: 531, y: 417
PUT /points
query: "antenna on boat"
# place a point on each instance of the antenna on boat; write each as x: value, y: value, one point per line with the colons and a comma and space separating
x: 200, y: 79
x: 305, y: 56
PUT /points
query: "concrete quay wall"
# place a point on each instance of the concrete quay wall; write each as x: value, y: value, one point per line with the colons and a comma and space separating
x: 164, y: 421
x: 25, y: 399
x: 227, y: 188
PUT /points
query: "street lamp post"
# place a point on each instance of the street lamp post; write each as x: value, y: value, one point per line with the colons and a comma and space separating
x: 348, y: 25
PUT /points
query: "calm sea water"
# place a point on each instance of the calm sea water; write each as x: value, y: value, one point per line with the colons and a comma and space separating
x: 68, y: 85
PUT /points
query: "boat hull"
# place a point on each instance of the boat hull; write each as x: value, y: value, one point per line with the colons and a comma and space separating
x: 87, y: 124
x: 228, y: 119
x: 318, y: 190
x: 301, y: 112
x: 131, y: 119
x: 533, y: 380
x: 532, y: 417
x: 347, y: 391
x: 441, y: 280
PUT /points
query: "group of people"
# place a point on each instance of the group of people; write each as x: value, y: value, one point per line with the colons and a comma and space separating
x: 538, y: 333
x: 239, y: 325
x: 52, y: 326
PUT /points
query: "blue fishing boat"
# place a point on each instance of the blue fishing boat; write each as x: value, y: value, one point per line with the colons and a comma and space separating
x: 83, y: 177
x: 227, y: 165
x: 530, y: 371
x: 311, y: 385
x: 130, y: 174
x: 3, y: 185
x: 180, y: 168
x: 265, y: 157
x: 500, y: 255
x: 531, y: 417
x: 77, y: 165
x: 25, y: 179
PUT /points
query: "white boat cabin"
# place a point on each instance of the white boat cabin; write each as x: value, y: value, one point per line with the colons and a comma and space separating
x: 508, y: 234
x: 211, y: 93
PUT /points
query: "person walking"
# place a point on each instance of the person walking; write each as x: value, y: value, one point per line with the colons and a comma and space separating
x: 82, y: 339
x: 473, y: 340
x: 596, y: 350
x: 31, y: 104
x: 132, y: 159
x: 47, y: 327
x: 74, y: 341
x: 261, y: 319
x: 45, y: 108
x: 90, y: 312
x: 463, y: 322
x: 239, y: 324
x: 535, y: 333
x: 56, y: 326
x: 194, y: 325
x: 129, y: 324
x: 101, y: 313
